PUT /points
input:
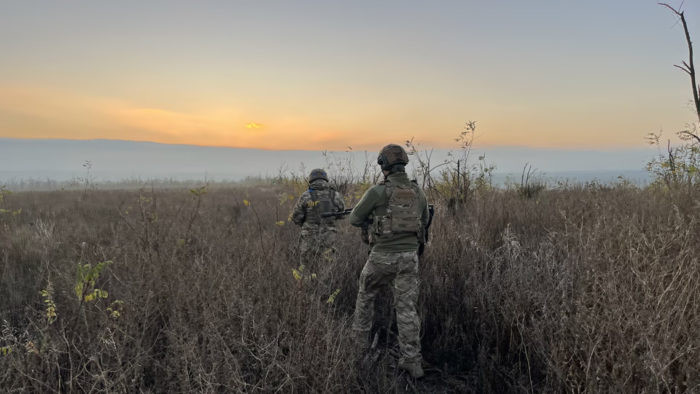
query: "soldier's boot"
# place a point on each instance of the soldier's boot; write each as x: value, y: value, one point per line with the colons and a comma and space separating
x: 414, y: 368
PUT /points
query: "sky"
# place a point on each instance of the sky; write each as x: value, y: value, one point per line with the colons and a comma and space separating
x: 328, y: 75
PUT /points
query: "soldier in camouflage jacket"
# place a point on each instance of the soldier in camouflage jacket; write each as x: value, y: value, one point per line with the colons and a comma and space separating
x: 318, y: 234
x: 400, y: 215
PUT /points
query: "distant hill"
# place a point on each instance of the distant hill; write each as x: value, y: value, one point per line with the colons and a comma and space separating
x: 114, y: 160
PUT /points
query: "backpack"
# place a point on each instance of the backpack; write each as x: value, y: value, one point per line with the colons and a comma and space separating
x: 322, y: 201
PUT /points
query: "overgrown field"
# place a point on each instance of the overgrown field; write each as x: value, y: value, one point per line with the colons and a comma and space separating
x: 582, y: 288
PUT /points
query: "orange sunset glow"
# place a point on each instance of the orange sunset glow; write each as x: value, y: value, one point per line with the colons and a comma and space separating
x: 359, y: 82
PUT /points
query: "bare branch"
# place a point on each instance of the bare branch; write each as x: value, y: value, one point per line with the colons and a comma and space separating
x: 671, y: 159
x: 440, y: 165
x: 670, y: 8
x: 682, y: 68
x: 689, y: 66
x: 691, y: 135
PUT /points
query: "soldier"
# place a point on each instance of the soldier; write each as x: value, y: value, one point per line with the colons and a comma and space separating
x: 400, y: 214
x: 318, y: 234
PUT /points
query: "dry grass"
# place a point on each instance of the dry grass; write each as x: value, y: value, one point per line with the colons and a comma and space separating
x: 587, y: 288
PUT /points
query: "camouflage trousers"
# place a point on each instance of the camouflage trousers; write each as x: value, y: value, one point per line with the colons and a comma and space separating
x: 400, y: 270
x: 317, y: 248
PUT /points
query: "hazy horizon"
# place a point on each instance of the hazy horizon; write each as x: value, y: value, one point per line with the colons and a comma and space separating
x: 118, y: 160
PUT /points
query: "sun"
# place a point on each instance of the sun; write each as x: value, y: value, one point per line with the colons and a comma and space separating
x: 253, y: 125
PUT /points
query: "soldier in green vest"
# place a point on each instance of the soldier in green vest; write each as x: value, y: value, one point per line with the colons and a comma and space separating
x: 318, y: 233
x: 399, y: 214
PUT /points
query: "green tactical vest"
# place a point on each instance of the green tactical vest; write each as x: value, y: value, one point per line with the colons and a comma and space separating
x: 402, y: 211
x: 322, y: 202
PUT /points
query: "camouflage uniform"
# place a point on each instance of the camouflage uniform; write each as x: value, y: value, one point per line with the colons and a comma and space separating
x: 393, y: 261
x: 400, y: 270
x: 318, y: 235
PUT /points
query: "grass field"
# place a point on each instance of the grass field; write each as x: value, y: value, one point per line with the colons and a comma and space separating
x: 580, y: 288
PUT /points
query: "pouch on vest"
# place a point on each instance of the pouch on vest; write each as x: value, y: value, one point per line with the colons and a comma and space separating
x: 402, y: 214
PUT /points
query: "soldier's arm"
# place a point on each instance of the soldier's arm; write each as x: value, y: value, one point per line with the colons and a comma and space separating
x: 339, y: 202
x: 299, y: 212
x: 364, y: 208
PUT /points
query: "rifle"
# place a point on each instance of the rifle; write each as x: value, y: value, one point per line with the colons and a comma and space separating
x: 338, y: 214
x: 365, y: 226
x: 431, y: 212
x: 345, y: 212
x: 341, y: 214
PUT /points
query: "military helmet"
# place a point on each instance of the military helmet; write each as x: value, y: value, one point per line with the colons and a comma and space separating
x: 318, y: 173
x: 391, y: 155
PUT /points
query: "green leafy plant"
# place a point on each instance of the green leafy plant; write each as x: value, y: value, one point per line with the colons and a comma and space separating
x: 47, y: 295
x: 85, y: 281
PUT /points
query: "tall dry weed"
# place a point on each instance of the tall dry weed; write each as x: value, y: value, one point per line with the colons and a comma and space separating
x: 583, y: 288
